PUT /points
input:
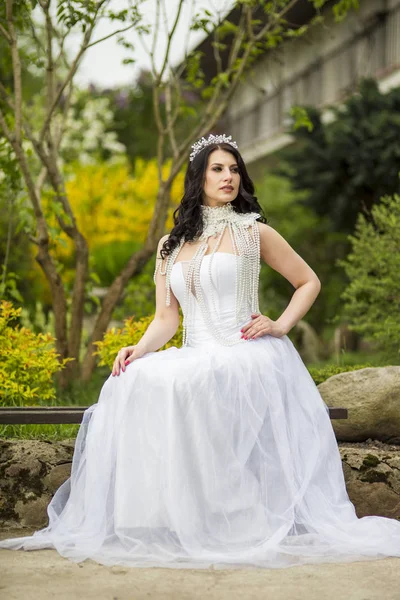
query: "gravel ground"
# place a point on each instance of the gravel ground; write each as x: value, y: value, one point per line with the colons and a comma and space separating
x: 45, y: 575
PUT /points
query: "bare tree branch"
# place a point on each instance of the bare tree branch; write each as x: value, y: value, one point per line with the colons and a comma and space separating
x: 33, y: 239
x: 66, y: 81
x: 61, y: 52
x: 67, y: 105
x: 169, y: 128
x: 169, y: 41
x: 72, y: 70
x: 23, y: 163
x: 40, y: 181
x: 110, y: 35
x: 216, y: 52
x: 282, y: 13
x: 6, y: 97
x: 237, y: 42
x: 11, y: 199
x: 154, y: 44
x: 5, y: 34
x: 16, y: 71
x: 172, y: 116
x: 39, y: 45
x: 50, y: 88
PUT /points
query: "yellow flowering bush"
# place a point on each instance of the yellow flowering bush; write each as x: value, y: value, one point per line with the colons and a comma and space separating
x: 129, y: 335
x: 28, y: 362
x: 112, y: 205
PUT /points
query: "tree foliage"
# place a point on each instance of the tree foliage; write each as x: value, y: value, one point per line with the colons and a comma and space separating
x: 372, y: 297
x: 347, y: 165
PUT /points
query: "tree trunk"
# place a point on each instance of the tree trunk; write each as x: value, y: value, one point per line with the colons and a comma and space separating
x: 78, y: 302
x: 60, y: 311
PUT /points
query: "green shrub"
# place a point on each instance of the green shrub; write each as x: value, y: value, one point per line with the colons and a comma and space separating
x: 109, y: 259
x: 129, y: 335
x: 372, y: 297
x: 28, y: 362
x: 320, y: 375
x: 139, y: 299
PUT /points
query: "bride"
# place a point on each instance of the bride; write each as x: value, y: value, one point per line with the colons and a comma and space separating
x: 220, y: 453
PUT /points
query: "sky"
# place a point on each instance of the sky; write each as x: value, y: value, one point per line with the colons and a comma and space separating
x: 102, y: 64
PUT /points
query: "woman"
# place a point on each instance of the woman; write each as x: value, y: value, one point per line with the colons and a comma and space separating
x: 220, y: 453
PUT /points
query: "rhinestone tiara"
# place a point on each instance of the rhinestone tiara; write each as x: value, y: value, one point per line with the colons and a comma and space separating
x: 212, y: 139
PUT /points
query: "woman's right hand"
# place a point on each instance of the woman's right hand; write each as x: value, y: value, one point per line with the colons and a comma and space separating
x: 125, y: 356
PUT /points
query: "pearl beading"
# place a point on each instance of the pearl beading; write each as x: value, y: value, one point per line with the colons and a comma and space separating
x: 245, y: 238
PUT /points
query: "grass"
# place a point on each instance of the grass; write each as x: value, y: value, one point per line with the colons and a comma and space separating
x: 39, y: 432
x: 78, y: 394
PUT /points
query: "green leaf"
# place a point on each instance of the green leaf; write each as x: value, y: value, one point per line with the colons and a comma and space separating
x: 301, y: 118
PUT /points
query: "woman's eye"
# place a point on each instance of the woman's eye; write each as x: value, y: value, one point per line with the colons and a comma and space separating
x: 219, y: 168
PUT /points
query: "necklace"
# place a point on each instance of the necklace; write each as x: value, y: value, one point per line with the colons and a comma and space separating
x: 245, y: 238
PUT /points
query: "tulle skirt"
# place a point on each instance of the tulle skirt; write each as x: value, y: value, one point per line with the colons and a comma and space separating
x: 210, y: 456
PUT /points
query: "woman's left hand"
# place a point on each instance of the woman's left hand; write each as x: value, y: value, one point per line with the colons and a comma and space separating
x: 261, y: 325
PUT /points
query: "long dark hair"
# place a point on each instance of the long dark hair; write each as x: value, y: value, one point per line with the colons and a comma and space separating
x: 188, y: 221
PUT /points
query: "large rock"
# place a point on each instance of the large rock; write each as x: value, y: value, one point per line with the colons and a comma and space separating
x: 372, y: 475
x: 372, y: 397
x: 56, y: 476
x: 32, y: 511
x: 31, y: 471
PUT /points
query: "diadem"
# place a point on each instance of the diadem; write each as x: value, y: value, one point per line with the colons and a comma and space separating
x: 212, y: 139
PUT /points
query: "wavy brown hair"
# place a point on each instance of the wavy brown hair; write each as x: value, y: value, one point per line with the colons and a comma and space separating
x: 188, y: 221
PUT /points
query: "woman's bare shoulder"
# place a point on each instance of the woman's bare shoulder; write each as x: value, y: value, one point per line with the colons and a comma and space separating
x: 273, y: 245
x: 279, y: 255
x: 268, y: 235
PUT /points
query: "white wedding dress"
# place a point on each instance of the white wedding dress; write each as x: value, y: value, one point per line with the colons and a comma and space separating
x: 210, y: 456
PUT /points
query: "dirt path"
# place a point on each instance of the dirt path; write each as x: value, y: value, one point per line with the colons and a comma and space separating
x: 45, y: 575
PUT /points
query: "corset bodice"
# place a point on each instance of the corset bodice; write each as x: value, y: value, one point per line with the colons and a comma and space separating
x: 219, y: 277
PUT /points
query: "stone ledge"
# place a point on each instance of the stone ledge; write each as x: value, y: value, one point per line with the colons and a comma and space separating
x: 32, y: 470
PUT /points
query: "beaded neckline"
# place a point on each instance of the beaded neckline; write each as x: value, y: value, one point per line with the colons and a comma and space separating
x: 220, y: 212
x: 245, y: 238
x: 216, y: 218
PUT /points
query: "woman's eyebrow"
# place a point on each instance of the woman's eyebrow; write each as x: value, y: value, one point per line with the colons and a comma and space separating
x: 221, y: 165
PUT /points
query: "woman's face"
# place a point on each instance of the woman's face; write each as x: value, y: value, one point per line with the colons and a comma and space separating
x: 222, y: 170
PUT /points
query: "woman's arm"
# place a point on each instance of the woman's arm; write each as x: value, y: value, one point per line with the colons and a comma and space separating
x: 278, y: 254
x: 162, y: 328
x: 166, y: 318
